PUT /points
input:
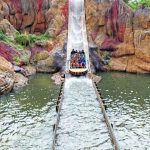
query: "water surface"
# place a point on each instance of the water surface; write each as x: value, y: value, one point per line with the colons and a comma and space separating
x: 27, y: 116
x: 128, y: 100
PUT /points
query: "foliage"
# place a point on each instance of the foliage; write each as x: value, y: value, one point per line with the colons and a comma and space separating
x: 136, y: 3
x: 22, y: 41
x: 5, y: 38
x: 29, y: 39
x: 34, y: 38
x: 16, y: 59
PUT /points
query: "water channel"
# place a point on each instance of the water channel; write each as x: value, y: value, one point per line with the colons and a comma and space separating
x: 82, y: 125
x: 27, y: 115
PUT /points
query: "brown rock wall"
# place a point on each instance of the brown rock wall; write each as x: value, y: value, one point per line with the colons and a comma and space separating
x: 111, y: 25
x: 24, y: 14
x: 123, y: 32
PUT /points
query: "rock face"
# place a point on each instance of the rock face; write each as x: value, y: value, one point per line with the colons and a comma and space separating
x: 7, y: 28
x: 41, y: 55
x: 51, y: 64
x: 8, y: 52
x: 38, y: 16
x: 121, y: 35
x: 29, y: 16
x: 6, y: 76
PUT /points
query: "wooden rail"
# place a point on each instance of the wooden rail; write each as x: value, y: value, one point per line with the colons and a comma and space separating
x: 58, y: 110
x: 109, y: 126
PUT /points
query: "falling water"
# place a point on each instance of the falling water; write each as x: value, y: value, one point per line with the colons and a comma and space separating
x: 77, y: 36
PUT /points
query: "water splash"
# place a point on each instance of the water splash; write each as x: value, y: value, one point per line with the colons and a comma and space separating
x: 69, y: 82
x: 81, y: 124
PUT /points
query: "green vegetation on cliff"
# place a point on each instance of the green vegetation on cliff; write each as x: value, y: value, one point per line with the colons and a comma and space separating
x: 5, y: 38
x: 136, y: 3
x: 22, y: 41
x: 29, y: 39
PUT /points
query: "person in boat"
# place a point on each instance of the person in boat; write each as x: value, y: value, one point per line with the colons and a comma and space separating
x: 82, y: 53
x: 83, y: 63
x: 73, y: 61
x: 73, y: 52
x: 80, y: 62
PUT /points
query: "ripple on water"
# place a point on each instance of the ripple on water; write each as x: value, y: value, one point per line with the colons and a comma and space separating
x: 27, y: 116
x: 128, y: 108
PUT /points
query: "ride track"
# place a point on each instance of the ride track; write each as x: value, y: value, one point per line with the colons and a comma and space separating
x: 77, y: 39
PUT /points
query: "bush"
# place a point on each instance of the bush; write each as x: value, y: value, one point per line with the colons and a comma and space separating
x: 135, y: 4
x: 5, y: 38
x: 43, y: 37
x: 22, y: 39
x: 29, y: 39
x: 16, y: 59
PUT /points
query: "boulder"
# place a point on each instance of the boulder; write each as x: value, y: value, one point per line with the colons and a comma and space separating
x: 47, y: 65
x: 6, y: 76
x: 29, y: 70
x: 20, y: 81
x: 6, y: 82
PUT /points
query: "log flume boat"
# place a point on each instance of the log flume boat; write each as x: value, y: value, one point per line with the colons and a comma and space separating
x: 78, y: 71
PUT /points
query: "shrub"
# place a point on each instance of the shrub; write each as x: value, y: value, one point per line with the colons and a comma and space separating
x: 16, y: 59
x: 5, y: 38
x: 136, y: 3
x: 29, y: 39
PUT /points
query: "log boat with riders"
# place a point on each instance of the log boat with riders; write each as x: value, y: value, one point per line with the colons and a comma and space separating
x: 78, y: 63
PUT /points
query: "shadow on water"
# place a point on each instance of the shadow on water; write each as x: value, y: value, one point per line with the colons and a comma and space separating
x: 128, y: 100
x: 27, y: 115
